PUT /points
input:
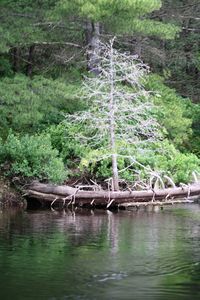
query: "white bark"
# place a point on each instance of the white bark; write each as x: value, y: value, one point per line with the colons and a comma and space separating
x: 119, y: 111
x: 112, y: 124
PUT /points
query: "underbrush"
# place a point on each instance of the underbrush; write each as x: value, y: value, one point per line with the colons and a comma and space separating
x: 31, y: 157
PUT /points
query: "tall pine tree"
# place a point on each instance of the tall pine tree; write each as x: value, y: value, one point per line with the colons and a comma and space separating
x: 114, y: 17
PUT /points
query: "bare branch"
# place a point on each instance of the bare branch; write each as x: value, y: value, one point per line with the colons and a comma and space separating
x: 119, y: 106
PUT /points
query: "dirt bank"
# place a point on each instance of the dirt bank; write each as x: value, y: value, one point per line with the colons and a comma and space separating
x: 9, y: 197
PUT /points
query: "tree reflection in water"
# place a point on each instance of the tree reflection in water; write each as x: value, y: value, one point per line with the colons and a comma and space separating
x: 86, y: 254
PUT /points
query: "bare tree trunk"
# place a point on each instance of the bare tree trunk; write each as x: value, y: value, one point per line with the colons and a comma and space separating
x: 29, y: 68
x: 138, y: 46
x: 92, y: 39
x: 15, y: 59
x: 112, y: 125
x: 115, y: 172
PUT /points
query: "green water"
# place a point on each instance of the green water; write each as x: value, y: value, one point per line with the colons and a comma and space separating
x: 100, y: 255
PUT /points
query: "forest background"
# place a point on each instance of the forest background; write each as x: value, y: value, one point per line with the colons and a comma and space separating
x: 43, y: 60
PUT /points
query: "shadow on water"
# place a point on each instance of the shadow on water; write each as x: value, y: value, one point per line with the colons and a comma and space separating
x: 85, y: 254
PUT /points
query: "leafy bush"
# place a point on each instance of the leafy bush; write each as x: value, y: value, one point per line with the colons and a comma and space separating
x: 62, y: 139
x: 27, y: 105
x: 32, y: 156
x: 5, y: 66
x: 162, y: 157
x: 194, y: 143
x: 167, y: 160
x: 172, y: 111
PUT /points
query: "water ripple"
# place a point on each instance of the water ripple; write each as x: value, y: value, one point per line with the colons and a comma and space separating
x: 111, y: 276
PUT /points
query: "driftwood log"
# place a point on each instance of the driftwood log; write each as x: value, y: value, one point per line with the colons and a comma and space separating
x: 67, y: 195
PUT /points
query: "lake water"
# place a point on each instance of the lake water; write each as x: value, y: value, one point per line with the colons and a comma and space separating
x: 100, y: 255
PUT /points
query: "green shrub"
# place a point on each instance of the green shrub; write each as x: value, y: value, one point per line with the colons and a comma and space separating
x: 32, y: 156
x: 162, y: 157
x: 167, y: 160
x: 28, y: 105
x: 5, y: 66
x: 194, y: 143
x: 172, y: 112
x: 62, y: 139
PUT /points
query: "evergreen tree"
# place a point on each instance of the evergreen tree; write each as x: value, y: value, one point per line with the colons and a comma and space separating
x: 178, y: 60
x: 114, y: 16
x: 19, y: 32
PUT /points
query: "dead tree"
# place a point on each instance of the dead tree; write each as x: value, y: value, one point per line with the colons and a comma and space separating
x: 119, y: 107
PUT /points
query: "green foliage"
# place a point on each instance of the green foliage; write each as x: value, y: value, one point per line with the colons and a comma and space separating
x: 172, y: 111
x: 18, y: 19
x: 180, y: 57
x: 100, y: 9
x: 167, y: 160
x: 62, y: 139
x: 32, y: 156
x: 144, y: 27
x: 194, y: 114
x: 93, y: 162
x: 5, y: 67
x: 39, y: 104
x: 27, y: 105
x: 119, y: 15
x: 162, y: 158
x: 4, y: 39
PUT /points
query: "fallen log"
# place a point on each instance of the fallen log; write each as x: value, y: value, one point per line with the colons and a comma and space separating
x: 47, y: 193
x: 156, y: 203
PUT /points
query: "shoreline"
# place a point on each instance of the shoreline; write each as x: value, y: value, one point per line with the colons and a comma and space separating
x: 9, y: 196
